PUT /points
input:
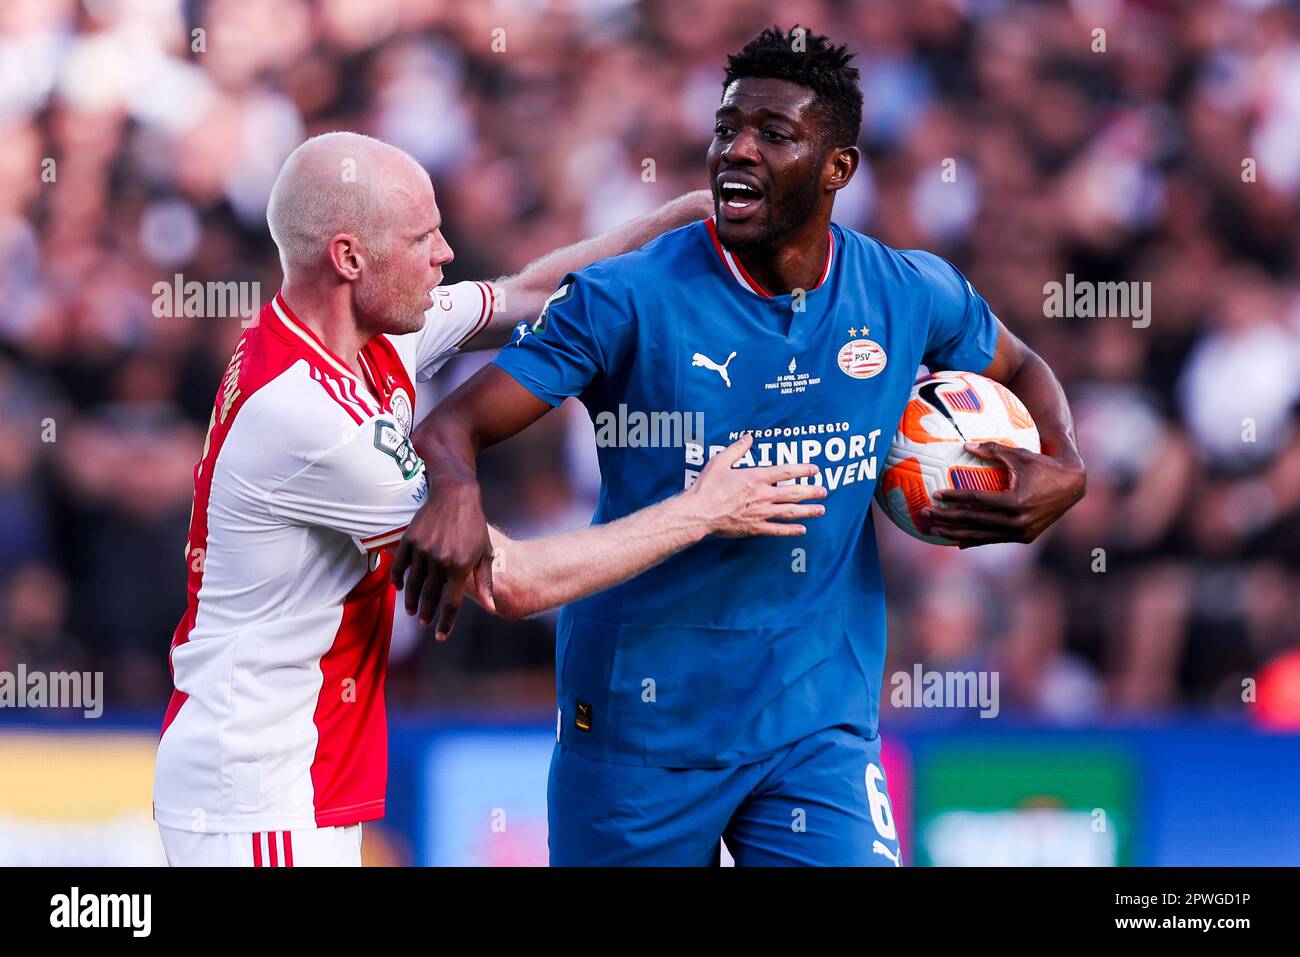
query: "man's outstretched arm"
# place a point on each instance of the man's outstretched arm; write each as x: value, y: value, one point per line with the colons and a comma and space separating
x: 541, y: 573
x: 520, y: 298
x: 447, y: 546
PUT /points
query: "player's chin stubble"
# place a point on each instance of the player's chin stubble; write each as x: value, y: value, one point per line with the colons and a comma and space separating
x: 781, y: 217
x: 392, y: 306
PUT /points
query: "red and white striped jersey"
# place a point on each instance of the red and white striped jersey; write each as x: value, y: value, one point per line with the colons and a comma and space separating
x: 307, y: 474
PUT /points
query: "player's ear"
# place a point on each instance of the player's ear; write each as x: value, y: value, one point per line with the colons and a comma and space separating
x: 841, y: 164
x: 345, y: 256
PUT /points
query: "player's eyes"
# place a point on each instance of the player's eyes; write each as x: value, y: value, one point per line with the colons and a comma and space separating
x: 775, y: 135
x: 722, y: 129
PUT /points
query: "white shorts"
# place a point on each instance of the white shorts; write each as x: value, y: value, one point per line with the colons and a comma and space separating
x: 309, y: 847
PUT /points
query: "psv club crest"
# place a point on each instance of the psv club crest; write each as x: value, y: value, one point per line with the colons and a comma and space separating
x: 862, y: 358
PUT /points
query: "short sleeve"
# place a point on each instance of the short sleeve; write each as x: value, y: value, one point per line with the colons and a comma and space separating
x: 367, y: 487
x: 459, y: 313
x: 962, y: 330
x: 574, y: 342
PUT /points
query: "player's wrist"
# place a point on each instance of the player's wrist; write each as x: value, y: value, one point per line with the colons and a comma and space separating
x: 453, y: 477
x: 1070, y: 459
x: 1060, y: 447
x: 690, y: 517
x: 1065, y: 454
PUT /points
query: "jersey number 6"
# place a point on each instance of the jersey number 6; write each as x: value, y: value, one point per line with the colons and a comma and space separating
x: 881, y: 816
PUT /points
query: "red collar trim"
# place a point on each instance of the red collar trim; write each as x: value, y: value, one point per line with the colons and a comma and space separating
x: 742, y: 275
x: 298, y: 329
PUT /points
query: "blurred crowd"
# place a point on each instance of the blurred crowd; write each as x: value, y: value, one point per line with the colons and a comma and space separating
x: 1153, y: 142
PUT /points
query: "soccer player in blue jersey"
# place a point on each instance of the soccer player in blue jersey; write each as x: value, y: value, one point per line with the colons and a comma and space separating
x: 732, y: 691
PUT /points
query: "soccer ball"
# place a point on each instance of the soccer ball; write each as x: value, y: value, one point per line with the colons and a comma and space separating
x: 945, y: 411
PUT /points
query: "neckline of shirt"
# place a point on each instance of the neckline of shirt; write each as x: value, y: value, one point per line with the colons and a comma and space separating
x: 308, y: 337
x: 742, y: 276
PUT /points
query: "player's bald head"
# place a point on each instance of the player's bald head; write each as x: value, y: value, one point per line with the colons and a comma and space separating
x: 341, y: 183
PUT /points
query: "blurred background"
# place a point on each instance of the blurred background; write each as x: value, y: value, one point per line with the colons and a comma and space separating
x: 1157, y: 680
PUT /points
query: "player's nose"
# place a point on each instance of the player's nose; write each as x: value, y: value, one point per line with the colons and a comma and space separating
x: 743, y: 148
x: 441, y: 253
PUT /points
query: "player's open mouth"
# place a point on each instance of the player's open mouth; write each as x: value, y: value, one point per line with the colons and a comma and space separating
x: 738, y: 199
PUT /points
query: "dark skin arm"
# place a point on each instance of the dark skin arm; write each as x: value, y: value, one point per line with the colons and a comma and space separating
x: 487, y: 408
x: 1042, y: 486
x: 447, y: 548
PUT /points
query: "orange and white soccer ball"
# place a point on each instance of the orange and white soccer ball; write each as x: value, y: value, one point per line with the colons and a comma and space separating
x: 945, y: 411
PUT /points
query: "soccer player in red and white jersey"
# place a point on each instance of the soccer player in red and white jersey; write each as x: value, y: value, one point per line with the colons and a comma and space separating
x: 274, y: 745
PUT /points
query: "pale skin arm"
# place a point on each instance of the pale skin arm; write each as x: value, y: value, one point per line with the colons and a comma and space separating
x: 534, y: 575
x: 520, y: 298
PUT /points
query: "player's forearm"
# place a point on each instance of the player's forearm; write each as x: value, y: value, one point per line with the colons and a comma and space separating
x: 521, y: 298
x: 448, y: 443
x: 487, y: 408
x: 531, y: 576
x: 1038, y: 388
x: 544, y: 274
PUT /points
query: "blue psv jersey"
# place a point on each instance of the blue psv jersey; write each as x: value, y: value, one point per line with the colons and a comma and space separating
x: 736, y: 648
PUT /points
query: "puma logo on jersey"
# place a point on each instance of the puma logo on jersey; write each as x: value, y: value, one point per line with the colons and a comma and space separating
x: 879, y: 848
x: 523, y: 330
x: 700, y: 359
